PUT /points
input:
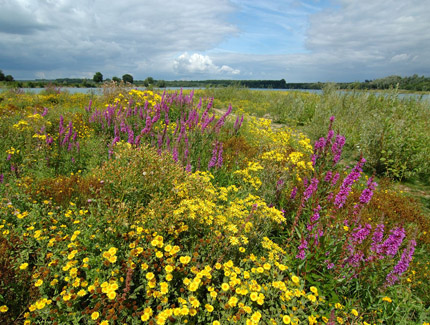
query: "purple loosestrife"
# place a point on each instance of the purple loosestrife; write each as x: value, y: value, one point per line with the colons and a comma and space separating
x: 315, y: 217
x: 68, y: 135
x: 175, y: 154
x: 392, y: 244
x: 335, y: 179
x: 402, y: 265
x: 293, y: 193
x: 49, y: 140
x: 221, y: 121
x: 1, y: 178
x: 378, y: 234
x: 213, y: 160
x: 367, y: 193
x: 302, y: 249
x: 360, y: 234
x: 61, y: 129
x: 328, y: 176
x: 311, y: 189
x: 45, y: 111
x: 336, y: 148
x: 346, y: 186
x: 238, y: 123
x: 220, y: 160
x: 355, y: 259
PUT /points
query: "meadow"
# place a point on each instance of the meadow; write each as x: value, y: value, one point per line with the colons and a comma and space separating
x: 215, y: 206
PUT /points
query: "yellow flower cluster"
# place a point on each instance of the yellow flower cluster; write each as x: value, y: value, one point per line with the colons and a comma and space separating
x: 248, y: 174
x: 139, y: 98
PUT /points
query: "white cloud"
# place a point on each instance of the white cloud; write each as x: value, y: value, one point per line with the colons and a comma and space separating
x: 196, y: 64
x: 400, y: 57
x: 69, y: 36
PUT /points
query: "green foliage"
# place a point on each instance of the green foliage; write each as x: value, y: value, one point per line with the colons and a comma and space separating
x: 127, y: 78
x: 98, y: 77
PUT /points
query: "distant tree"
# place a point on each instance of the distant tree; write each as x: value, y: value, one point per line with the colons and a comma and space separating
x: 8, y: 78
x: 161, y: 84
x: 98, y: 77
x: 2, y: 76
x: 148, y: 81
x: 127, y: 78
x: 116, y: 79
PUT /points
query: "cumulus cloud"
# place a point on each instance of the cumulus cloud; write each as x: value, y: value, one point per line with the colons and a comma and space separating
x: 70, y: 37
x: 196, y: 64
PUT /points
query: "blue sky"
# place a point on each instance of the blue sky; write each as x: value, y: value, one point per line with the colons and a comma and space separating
x: 297, y: 40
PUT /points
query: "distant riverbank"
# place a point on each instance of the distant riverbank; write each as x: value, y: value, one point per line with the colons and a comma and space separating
x: 98, y: 91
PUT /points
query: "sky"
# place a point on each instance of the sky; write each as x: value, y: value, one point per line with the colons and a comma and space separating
x: 295, y: 40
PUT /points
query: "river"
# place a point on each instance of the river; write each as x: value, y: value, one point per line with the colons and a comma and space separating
x: 97, y: 91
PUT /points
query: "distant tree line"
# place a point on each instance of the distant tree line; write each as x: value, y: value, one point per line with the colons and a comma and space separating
x: 7, y: 78
x: 412, y: 83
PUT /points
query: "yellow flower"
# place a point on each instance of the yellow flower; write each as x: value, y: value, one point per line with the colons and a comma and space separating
x: 149, y: 276
x: 225, y: 286
x: 312, y: 320
x: 95, y: 315
x: 215, y: 322
x: 286, y: 319
x: 267, y: 266
x: 312, y: 298
x: 354, y: 312
x: 112, y: 259
x: 38, y: 283
x: 185, y: 259
x: 256, y: 316
x: 254, y: 296
x: 4, y: 309
x: 387, y: 299
x: 232, y: 301
x: 295, y: 279
x: 209, y: 308
x: 82, y: 293
x: 314, y: 290
x: 23, y: 266
x: 111, y: 295
x: 105, y: 322
x: 169, y: 268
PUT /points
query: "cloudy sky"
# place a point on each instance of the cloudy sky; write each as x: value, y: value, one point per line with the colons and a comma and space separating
x: 298, y: 40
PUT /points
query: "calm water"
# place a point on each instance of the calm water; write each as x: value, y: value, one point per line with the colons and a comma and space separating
x: 98, y: 91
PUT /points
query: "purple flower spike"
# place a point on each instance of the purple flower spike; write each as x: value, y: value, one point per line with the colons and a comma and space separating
x: 302, y: 248
x: 336, y: 148
x: 293, y: 193
x: 213, y: 160
x: 403, y: 263
x: 219, y: 161
x: 311, y: 189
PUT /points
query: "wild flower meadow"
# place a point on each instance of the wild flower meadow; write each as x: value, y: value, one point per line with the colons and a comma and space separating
x: 165, y: 207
